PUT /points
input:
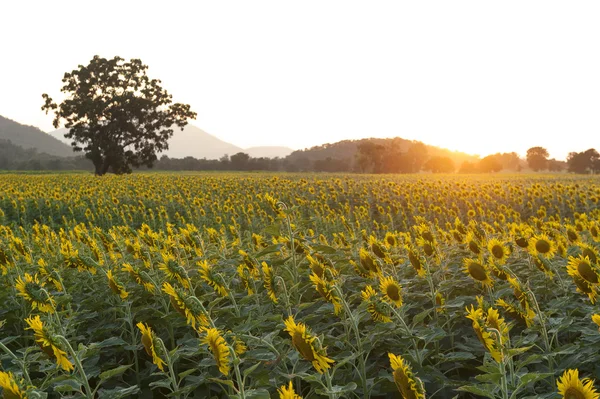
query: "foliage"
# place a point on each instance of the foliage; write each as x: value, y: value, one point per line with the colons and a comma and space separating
x: 537, y: 158
x: 584, y: 162
x: 235, y: 285
x: 116, y: 114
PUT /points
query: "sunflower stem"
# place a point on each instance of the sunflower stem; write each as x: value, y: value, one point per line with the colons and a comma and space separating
x: 134, y: 342
x: 19, y: 361
x: 361, y: 357
x: 86, y: 383
x: 172, y: 375
x: 238, y: 375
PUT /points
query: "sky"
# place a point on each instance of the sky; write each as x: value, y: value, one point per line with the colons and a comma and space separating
x: 475, y: 76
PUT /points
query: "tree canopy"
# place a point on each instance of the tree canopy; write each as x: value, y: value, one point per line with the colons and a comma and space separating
x: 116, y: 114
x: 537, y: 158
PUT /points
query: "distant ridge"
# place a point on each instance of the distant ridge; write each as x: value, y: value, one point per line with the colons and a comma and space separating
x: 195, y: 142
x: 30, y: 137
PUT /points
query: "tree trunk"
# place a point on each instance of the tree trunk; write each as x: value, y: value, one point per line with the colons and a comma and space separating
x: 102, y: 166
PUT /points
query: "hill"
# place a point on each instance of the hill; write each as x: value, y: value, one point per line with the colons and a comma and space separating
x: 30, y: 137
x: 342, y: 154
x: 268, y: 152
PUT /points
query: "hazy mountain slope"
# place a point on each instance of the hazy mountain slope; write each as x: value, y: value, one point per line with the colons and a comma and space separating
x: 30, y: 137
x: 268, y: 152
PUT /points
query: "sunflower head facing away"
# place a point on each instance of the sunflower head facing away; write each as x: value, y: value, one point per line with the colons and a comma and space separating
x: 307, y: 345
x: 151, y: 345
x: 11, y: 387
x: 408, y: 384
x: 48, y: 343
x: 219, y: 348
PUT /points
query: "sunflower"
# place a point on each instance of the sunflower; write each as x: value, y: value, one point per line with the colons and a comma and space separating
x: 219, y: 348
x: 518, y: 291
x: 115, y: 287
x: 245, y: 276
x: 139, y: 277
x: 10, y: 386
x: 596, y: 319
x: 573, y: 235
x: 48, y: 343
x: 208, y: 275
x: 151, y: 345
x: 498, y: 250
x: 369, y: 264
x: 428, y: 246
x: 408, y: 384
x: 391, y: 290
x: 478, y: 271
x: 53, y: 276
x: 390, y: 240
x: 304, y: 342
x: 374, y: 305
x: 494, y: 321
x: 268, y: 281
x: 590, y: 252
x: 416, y: 261
x: 172, y: 270
x: 525, y: 316
x: 584, y: 268
x: 541, y: 244
x: 498, y: 271
x: 478, y: 317
x: 473, y: 243
x: 182, y: 304
x: 288, y: 392
x: 33, y: 292
x: 327, y: 291
x: 571, y: 387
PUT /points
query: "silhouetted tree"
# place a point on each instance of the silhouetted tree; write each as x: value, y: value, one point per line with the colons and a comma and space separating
x: 468, y: 167
x: 116, y: 114
x: 239, y: 161
x: 490, y: 164
x: 584, y: 162
x: 417, y: 156
x: 439, y: 164
x: 537, y: 158
x: 555, y: 165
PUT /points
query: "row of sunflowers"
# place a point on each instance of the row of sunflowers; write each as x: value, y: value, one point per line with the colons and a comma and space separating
x: 289, y: 286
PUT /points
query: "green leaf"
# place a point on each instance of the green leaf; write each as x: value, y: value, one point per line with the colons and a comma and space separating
x: 250, y: 369
x: 477, y: 391
x: 118, y: 393
x: 114, y: 372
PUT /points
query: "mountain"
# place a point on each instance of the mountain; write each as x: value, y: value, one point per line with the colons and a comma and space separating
x: 195, y: 142
x: 268, y: 152
x: 30, y: 137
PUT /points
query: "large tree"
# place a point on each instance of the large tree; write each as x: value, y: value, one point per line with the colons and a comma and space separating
x: 537, y: 158
x: 116, y: 114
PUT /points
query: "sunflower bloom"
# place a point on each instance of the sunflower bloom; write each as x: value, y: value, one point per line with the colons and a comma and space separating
x: 374, y: 305
x: 10, y: 387
x: 138, y: 277
x: 524, y: 316
x: 245, y: 275
x: 408, y: 384
x: 582, y: 266
x: 498, y: 250
x: 541, y: 244
x: 391, y: 291
x: 570, y: 386
x: 304, y: 342
x: 172, y: 270
x: 478, y: 271
x: 184, y: 306
x: 150, y: 342
x: 268, y: 282
x: 288, y: 392
x: 115, y: 287
x: 31, y: 289
x: 327, y: 291
x: 416, y: 261
x: 48, y: 343
x: 487, y: 338
x: 208, y: 275
x: 596, y: 319
x: 218, y: 347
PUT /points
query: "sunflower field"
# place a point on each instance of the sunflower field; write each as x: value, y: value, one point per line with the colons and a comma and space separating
x: 291, y: 286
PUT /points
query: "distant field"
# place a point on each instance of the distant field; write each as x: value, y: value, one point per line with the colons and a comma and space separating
x: 231, y: 285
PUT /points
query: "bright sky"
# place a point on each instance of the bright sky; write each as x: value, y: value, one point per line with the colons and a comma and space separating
x: 477, y: 76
